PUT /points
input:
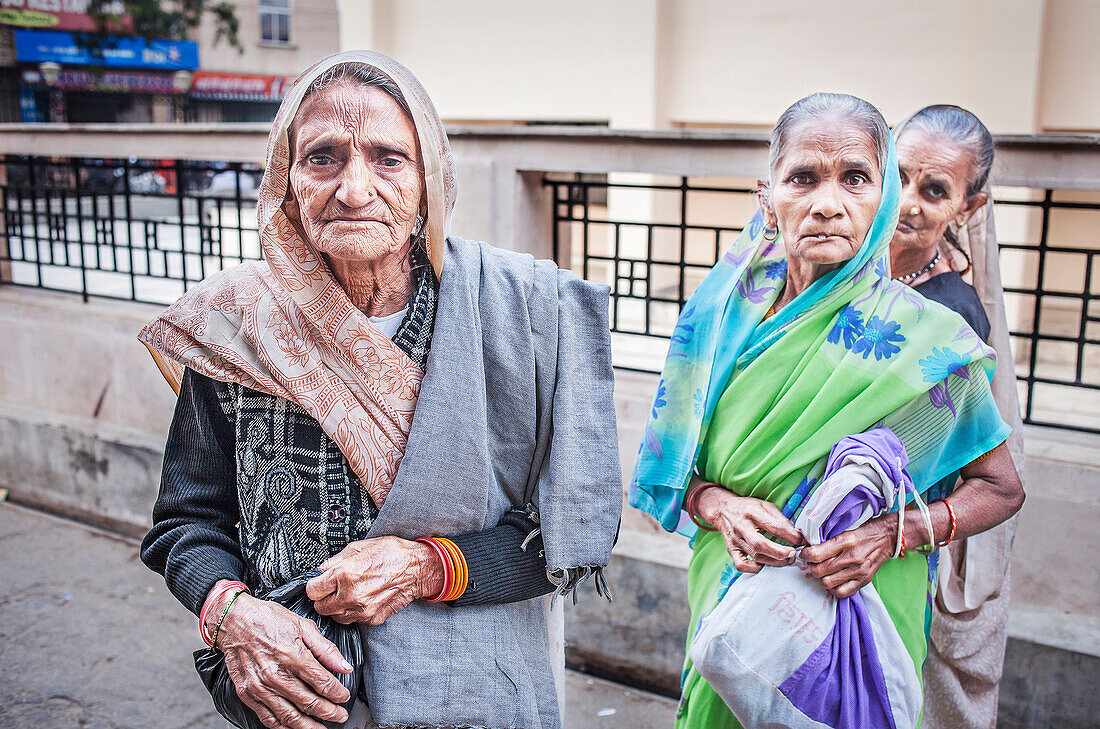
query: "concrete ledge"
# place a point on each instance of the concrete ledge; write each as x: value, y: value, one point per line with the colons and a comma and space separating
x: 99, y: 472
x: 640, y: 638
x: 1044, y: 686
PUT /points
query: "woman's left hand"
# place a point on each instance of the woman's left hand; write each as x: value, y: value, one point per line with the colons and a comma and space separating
x: 372, y: 580
x: 848, y: 561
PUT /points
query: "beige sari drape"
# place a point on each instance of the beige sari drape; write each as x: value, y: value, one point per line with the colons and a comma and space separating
x: 962, y: 674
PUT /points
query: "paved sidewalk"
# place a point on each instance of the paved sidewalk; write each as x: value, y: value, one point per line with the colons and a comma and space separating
x: 90, y: 638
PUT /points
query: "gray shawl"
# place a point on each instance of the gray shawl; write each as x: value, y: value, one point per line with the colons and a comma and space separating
x: 518, y: 390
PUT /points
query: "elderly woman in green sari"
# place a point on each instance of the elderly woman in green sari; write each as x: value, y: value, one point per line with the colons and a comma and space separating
x: 796, y: 339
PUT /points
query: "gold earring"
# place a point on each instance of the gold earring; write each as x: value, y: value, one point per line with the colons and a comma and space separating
x: 914, y: 210
x: 774, y: 235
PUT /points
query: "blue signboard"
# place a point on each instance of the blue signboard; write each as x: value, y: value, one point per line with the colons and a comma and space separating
x: 36, y: 46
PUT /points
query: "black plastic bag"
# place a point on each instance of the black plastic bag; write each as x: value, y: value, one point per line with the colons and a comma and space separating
x: 211, y: 663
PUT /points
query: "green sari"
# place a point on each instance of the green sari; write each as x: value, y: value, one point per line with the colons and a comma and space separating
x: 756, y: 406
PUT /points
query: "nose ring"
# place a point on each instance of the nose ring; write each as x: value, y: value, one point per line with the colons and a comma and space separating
x: 914, y: 210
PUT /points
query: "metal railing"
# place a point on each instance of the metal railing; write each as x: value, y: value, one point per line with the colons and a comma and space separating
x: 654, y: 256
x: 1055, y: 355
x: 146, y: 230
x: 140, y: 230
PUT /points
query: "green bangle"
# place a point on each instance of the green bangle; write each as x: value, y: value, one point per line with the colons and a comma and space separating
x: 218, y: 627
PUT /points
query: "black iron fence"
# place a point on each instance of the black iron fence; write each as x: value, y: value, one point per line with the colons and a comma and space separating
x: 652, y: 240
x: 145, y: 230
x: 142, y: 230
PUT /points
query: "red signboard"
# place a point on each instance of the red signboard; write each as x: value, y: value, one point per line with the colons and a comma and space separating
x: 214, y: 85
x: 60, y: 15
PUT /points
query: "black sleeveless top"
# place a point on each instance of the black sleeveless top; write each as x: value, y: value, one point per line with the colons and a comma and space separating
x: 950, y: 290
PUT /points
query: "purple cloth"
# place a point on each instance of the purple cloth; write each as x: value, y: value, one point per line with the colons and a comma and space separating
x: 841, y: 683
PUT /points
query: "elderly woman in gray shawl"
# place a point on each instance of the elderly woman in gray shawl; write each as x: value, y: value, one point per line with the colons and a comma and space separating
x: 372, y: 385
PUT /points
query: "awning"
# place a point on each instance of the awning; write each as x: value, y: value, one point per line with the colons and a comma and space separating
x: 239, y: 86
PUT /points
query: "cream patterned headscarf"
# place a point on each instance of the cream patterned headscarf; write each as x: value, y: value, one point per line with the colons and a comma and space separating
x: 285, y: 326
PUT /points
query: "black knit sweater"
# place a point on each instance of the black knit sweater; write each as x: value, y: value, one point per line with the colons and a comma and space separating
x: 253, y: 490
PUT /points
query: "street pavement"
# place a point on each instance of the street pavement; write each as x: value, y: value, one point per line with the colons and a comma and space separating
x: 91, y: 639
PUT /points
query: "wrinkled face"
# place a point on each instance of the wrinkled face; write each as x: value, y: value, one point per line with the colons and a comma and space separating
x: 934, y: 177
x: 825, y: 192
x: 355, y: 180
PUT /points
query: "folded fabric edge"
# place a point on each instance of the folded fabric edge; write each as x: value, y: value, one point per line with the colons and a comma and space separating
x: 566, y: 580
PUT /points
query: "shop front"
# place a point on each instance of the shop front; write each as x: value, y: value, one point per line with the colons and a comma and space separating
x: 126, y: 80
x: 235, y: 97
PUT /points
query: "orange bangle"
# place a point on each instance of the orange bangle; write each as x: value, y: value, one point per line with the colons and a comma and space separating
x: 899, y: 546
x: 448, y: 574
x: 954, y: 524
x: 461, y: 569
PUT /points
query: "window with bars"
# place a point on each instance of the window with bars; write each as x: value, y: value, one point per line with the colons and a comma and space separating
x: 275, y: 22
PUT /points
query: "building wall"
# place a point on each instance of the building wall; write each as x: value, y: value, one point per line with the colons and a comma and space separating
x: 1019, y: 64
x: 1071, y: 58
x: 746, y: 62
x: 497, y: 60
x: 314, y: 33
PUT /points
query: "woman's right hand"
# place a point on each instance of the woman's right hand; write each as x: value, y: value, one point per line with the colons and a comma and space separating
x: 280, y: 664
x: 740, y: 519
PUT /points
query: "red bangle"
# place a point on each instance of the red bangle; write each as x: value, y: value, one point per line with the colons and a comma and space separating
x: 689, y: 507
x: 448, y: 572
x: 210, y: 600
x: 901, y: 536
x: 461, y: 569
x: 954, y: 524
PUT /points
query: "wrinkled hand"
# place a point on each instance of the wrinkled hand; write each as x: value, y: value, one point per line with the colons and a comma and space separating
x: 372, y: 580
x: 848, y: 561
x: 741, y: 519
x: 278, y: 663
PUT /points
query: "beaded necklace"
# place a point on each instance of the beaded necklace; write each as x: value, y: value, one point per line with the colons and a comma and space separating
x: 912, y: 276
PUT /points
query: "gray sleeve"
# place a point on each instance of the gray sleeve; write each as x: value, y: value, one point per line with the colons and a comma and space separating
x: 580, y: 485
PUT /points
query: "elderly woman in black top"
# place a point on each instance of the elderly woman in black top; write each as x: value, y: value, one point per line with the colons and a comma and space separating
x: 944, y: 155
x: 945, y: 231
x: 371, y: 385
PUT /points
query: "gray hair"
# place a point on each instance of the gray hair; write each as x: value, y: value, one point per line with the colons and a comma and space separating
x: 822, y: 107
x: 360, y: 74
x: 959, y: 126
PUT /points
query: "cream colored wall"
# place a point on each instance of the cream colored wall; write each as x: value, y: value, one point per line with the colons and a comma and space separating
x: 1069, y: 100
x: 659, y: 63
x: 571, y: 60
x: 746, y: 62
x: 314, y: 33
